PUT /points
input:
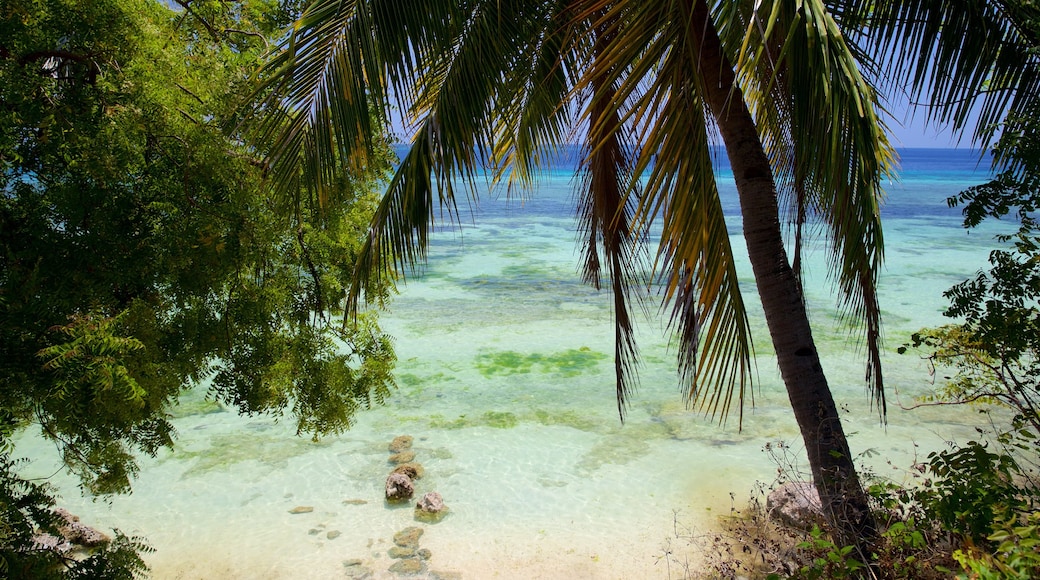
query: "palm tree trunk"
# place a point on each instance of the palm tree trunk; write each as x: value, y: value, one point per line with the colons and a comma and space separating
x: 843, y: 498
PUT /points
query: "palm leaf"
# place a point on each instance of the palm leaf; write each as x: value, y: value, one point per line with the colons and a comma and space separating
x: 970, y: 58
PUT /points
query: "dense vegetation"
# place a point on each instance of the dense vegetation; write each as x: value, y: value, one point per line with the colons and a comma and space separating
x: 142, y: 252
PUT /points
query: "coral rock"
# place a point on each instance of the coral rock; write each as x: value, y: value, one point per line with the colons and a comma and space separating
x: 430, y: 507
x: 401, y: 443
x: 400, y: 552
x: 431, y: 502
x: 407, y: 567
x: 399, y: 487
x: 402, y: 457
x: 412, y: 469
x: 408, y: 537
x: 796, y: 504
x: 79, y: 533
x: 301, y: 509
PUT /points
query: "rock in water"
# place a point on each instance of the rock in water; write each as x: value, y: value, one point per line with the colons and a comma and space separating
x: 399, y: 487
x: 400, y: 443
x: 407, y: 567
x: 411, y: 469
x: 76, y: 532
x: 400, y: 552
x: 408, y: 537
x: 430, y: 507
x: 796, y: 504
x: 402, y: 457
x: 301, y: 509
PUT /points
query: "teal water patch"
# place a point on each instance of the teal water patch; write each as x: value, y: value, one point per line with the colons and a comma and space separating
x: 567, y: 363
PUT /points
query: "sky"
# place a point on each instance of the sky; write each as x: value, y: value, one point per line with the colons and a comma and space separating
x: 908, y: 129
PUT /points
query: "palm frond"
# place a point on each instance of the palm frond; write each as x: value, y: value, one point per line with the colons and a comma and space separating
x: 695, y: 258
x: 533, y: 116
x: 605, y: 205
x: 454, y: 97
x: 968, y: 57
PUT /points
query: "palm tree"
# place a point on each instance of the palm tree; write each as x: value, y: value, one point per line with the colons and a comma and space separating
x: 648, y: 86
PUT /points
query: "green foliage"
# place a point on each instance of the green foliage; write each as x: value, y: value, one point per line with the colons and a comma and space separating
x: 25, y: 510
x: 971, y: 488
x: 143, y: 254
x: 141, y: 251
x: 978, y: 494
x: 832, y: 562
x: 1016, y: 556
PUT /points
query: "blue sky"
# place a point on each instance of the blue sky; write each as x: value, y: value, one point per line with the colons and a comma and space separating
x: 914, y: 132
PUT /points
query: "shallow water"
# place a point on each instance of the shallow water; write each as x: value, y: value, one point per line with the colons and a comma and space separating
x: 506, y: 383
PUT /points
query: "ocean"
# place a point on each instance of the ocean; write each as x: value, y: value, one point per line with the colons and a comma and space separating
x: 506, y: 385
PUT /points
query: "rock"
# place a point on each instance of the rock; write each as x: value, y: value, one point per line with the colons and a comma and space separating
x: 355, y: 502
x: 796, y: 504
x: 412, y: 469
x: 408, y: 537
x: 430, y: 502
x: 301, y: 509
x: 424, y: 554
x: 407, y: 567
x: 430, y: 507
x: 400, y: 552
x: 78, y: 533
x: 333, y: 534
x: 51, y: 543
x: 400, y: 443
x: 354, y: 570
x: 402, y: 457
x: 399, y: 487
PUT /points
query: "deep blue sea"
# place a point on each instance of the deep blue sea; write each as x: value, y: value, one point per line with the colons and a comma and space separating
x: 506, y: 383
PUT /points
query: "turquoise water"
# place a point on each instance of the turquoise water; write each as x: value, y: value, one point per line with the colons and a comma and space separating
x: 506, y: 384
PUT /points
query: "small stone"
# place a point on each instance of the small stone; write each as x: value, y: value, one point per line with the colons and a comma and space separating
x: 408, y: 537
x: 313, y: 532
x: 424, y: 554
x: 400, y: 443
x: 355, y: 502
x: 301, y: 509
x: 352, y: 562
x: 400, y: 552
x: 407, y: 567
x: 333, y: 534
x: 411, y: 469
x: 402, y: 457
x: 451, y: 575
x: 399, y: 487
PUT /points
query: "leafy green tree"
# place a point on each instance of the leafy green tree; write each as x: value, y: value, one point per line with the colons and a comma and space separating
x: 141, y: 252
x: 647, y: 86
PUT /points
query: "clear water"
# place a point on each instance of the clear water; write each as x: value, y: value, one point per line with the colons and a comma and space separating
x: 507, y: 385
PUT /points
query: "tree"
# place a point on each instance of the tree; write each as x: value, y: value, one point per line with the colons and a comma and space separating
x: 141, y: 253
x: 645, y: 86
